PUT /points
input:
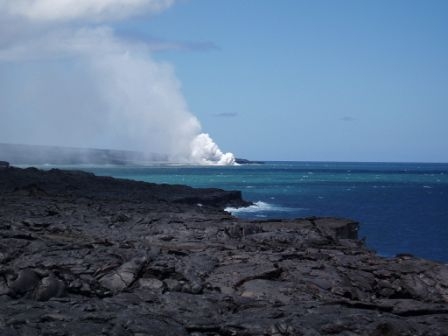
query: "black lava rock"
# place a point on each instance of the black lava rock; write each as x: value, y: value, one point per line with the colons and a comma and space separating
x: 86, y: 255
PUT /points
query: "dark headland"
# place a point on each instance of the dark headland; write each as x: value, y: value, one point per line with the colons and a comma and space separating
x: 86, y: 255
x: 57, y: 155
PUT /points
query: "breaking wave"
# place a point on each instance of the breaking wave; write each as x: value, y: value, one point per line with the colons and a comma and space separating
x: 256, y: 207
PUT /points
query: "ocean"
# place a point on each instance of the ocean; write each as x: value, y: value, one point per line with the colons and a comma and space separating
x: 402, y: 207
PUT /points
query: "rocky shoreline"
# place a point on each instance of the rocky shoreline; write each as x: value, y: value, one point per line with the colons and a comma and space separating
x: 86, y: 255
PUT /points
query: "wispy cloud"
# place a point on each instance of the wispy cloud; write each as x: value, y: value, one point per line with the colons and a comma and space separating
x: 347, y: 118
x: 226, y: 115
x: 185, y: 46
x: 80, y: 10
x: 157, y: 44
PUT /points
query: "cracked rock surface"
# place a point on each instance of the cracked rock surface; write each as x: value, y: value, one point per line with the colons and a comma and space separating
x: 86, y: 255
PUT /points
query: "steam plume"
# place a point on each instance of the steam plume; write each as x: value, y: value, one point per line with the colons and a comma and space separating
x: 205, y: 151
x: 83, y: 86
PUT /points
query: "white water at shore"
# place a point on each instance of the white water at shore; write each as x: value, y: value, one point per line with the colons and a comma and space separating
x: 257, y: 207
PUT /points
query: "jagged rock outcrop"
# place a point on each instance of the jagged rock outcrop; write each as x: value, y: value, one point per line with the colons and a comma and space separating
x: 86, y: 255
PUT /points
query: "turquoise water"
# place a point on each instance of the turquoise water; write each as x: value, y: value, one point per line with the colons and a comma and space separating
x: 402, y: 207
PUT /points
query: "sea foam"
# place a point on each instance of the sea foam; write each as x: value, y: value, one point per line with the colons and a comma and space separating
x: 256, y: 207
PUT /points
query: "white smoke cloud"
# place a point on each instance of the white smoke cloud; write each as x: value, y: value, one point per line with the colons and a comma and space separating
x: 94, y: 89
x: 205, y: 151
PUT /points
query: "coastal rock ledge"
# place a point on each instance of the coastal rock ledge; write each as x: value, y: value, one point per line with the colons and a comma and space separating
x: 86, y: 255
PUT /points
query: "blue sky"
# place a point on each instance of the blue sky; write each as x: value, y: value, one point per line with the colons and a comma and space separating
x: 312, y: 80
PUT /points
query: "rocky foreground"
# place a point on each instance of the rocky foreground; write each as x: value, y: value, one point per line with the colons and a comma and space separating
x: 85, y: 255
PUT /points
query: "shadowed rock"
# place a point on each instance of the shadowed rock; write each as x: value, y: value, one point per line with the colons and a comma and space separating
x: 25, y: 283
x: 49, y: 287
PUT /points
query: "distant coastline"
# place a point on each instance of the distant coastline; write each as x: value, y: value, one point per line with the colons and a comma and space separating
x: 21, y: 154
x: 40, y: 155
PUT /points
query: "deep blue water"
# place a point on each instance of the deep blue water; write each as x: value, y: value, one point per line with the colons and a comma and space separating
x: 402, y: 207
